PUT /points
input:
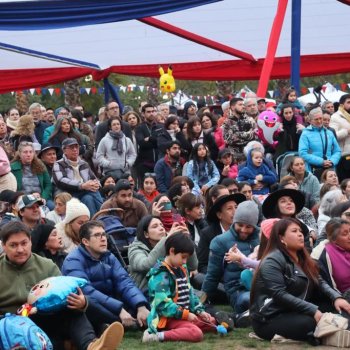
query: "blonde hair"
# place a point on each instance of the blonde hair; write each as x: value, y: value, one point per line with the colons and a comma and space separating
x: 64, y: 197
x: 25, y: 126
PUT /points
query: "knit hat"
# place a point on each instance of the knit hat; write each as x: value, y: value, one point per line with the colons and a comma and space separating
x: 247, y: 213
x: 267, y: 225
x: 40, y: 235
x: 74, y: 209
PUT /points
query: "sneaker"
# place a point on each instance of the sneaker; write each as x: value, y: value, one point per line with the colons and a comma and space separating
x: 224, y: 319
x: 110, y: 338
x: 149, y: 337
x: 243, y: 320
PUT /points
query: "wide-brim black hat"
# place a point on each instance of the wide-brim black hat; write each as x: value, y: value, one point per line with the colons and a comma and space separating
x: 235, y: 197
x: 269, y: 207
x: 47, y: 146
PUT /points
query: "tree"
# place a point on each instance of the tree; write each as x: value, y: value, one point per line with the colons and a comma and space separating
x: 72, y: 93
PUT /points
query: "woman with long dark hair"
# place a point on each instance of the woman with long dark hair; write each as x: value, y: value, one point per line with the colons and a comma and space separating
x: 195, y: 135
x: 64, y: 129
x: 287, y: 286
x: 291, y: 128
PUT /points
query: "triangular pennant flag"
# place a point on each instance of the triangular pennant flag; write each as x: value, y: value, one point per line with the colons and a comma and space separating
x: 88, y: 90
x: 38, y: 91
x: 57, y: 91
x: 63, y: 91
x: 304, y: 90
x: 94, y: 90
x: 100, y: 90
x: 12, y: 93
x: 32, y: 91
x: 82, y: 90
x: 270, y: 93
x: 343, y: 86
x: 51, y: 91
x: 311, y: 90
x: 123, y: 88
x: 141, y: 87
x: 324, y: 87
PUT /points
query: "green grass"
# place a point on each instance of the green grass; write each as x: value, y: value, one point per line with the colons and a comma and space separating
x: 237, y: 339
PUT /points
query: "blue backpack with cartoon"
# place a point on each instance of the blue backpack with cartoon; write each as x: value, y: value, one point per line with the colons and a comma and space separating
x: 22, y: 332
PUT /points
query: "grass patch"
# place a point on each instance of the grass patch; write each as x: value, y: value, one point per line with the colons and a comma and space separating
x: 238, y: 339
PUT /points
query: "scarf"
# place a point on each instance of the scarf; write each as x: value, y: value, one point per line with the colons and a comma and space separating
x: 344, y: 113
x: 290, y: 128
x: 117, y: 141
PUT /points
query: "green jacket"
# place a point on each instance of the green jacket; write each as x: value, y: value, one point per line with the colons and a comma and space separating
x: 44, y: 179
x: 16, y: 281
x: 142, y: 259
x: 162, y: 290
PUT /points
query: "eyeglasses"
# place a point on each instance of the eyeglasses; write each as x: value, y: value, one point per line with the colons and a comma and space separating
x: 235, y: 190
x: 150, y: 174
x: 99, y: 235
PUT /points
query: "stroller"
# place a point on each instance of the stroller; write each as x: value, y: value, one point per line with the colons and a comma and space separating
x: 282, y: 163
x: 119, y: 237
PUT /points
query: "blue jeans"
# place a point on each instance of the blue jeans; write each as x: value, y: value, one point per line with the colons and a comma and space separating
x: 240, y: 301
x: 92, y: 200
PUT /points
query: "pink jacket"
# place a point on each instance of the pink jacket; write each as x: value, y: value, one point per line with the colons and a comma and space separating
x: 4, y: 163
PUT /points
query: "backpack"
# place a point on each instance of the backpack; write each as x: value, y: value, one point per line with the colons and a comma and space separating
x: 22, y: 332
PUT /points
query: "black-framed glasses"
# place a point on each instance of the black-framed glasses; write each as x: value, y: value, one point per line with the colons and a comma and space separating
x: 99, y: 235
x: 150, y: 174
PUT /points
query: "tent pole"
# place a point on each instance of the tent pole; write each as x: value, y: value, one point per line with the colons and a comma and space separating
x: 295, y: 50
x: 272, y: 47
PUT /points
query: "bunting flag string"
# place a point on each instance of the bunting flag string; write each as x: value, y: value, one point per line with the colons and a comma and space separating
x: 93, y: 90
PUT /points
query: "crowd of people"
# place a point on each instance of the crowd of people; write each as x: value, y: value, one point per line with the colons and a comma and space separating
x: 218, y: 215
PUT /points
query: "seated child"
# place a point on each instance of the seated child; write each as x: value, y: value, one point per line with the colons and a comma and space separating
x: 176, y: 313
x: 226, y: 166
x: 257, y: 174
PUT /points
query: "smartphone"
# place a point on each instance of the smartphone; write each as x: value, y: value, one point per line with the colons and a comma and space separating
x: 178, y: 218
x: 166, y: 206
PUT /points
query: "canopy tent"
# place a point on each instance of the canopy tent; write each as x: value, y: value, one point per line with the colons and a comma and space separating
x: 328, y: 93
x: 136, y: 48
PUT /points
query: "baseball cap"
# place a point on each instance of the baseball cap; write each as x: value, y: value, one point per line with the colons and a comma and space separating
x: 27, y: 201
x: 69, y: 142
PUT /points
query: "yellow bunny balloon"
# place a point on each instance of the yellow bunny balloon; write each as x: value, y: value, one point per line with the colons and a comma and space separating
x: 166, y: 81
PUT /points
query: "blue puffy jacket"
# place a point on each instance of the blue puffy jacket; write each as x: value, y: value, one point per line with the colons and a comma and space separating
x: 217, y: 268
x: 312, y: 143
x: 109, y: 285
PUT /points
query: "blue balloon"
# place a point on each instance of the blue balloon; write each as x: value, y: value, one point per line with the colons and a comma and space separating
x: 50, y: 295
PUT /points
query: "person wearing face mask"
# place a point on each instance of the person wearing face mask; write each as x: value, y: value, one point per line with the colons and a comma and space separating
x: 318, y: 146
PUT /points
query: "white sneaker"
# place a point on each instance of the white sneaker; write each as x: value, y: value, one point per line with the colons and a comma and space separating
x: 149, y: 337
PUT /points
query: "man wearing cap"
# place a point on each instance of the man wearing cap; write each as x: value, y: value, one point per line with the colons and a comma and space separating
x: 29, y: 211
x: 244, y: 234
x: 261, y: 104
x: 132, y: 209
x: 73, y: 175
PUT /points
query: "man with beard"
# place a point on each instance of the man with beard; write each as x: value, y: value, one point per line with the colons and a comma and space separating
x: 243, y: 235
x: 340, y: 122
x: 251, y: 107
x: 238, y: 128
x: 169, y: 167
x: 146, y: 137
x: 131, y: 210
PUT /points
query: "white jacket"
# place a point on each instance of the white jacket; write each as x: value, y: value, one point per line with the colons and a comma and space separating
x: 341, y: 127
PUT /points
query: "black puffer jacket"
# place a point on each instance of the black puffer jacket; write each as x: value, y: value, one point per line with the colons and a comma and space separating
x: 282, y: 286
